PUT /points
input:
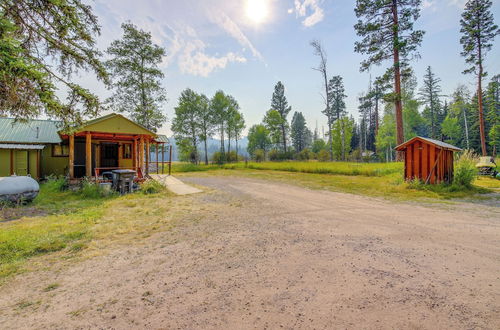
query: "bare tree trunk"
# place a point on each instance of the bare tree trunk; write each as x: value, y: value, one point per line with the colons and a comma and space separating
x: 206, y: 152
x: 482, y: 134
x: 466, y: 128
x: 397, y: 82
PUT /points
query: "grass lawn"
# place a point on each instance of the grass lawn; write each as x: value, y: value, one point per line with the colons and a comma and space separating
x: 370, y: 179
x: 66, y: 224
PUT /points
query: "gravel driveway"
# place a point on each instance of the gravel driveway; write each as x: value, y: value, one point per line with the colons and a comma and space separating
x: 255, y: 254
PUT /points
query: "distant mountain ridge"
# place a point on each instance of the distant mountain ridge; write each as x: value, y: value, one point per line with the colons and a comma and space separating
x: 213, y: 146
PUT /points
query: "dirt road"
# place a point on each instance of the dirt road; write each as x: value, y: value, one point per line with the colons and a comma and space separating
x: 254, y: 254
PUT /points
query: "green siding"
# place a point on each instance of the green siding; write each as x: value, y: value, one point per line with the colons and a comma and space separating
x: 32, y: 164
x: 115, y: 124
x: 4, y: 162
x: 20, y: 162
x: 53, y: 165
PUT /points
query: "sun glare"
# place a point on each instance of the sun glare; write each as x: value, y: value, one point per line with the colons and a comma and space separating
x: 257, y: 10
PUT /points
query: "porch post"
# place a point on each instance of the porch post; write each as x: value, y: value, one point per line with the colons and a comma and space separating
x: 71, y: 157
x: 88, y: 155
x: 141, y: 154
x: 157, y: 160
x: 148, y: 154
x: 162, y: 157
x: 134, y: 154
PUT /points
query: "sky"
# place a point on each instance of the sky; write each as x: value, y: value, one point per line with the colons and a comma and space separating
x: 244, y: 47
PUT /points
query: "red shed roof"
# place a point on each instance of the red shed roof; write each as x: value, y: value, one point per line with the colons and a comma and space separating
x: 439, y: 144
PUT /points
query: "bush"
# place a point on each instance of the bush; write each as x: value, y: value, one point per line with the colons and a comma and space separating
x: 323, y: 156
x: 56, y: 183
x: 218, y: 158
x: 276, y: 155
x: 152, y: 187
x: 305, y: 154
x: 92, y: 190
x: 232, y: 157
x: 259, y: 155
x: 465, y: 170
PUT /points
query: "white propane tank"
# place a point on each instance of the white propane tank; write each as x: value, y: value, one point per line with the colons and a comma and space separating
x: 18, y: 188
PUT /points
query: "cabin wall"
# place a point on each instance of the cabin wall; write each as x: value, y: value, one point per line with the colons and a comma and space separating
x: 53, y: 165
x: 4, y: 162
x: 23, y: 162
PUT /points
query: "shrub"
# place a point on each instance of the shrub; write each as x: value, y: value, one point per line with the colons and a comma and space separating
x: 218, y: 158
x: 259, y: 155
x: 274, y: 155
x: 305, y: 154
x: 91, y: 190
x: 152, y: 187
x: 232, y: 157
x: 56, y: 183
x: 465, y: 170
x: 323, y: 155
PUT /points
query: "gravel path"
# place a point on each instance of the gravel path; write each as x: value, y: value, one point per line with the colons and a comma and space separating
x: 255, y: 254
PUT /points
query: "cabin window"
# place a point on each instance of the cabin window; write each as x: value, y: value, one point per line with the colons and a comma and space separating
x: 127, y: 151
x: 60, y: 150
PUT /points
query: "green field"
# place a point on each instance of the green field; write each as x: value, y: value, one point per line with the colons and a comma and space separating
x: 337, y: 168
x: 370, y: 179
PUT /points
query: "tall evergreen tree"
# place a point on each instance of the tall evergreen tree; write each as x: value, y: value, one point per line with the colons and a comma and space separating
x: 280, y: 104
x: 43, y: 43
x: 137, y: 77
x: 430, y: 94
x: 386, y: 28
x: 493, y: 113
x: 478, y: 32
x: 336, y: 95
x: 299, y: 132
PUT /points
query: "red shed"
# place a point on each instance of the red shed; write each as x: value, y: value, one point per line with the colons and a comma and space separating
x: 428, y: 160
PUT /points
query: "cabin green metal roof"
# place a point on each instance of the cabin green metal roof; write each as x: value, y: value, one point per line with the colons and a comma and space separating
x: 161, y: 138
x: 32, y: 131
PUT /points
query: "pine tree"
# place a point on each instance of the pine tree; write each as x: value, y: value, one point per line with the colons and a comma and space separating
x: 336, y: 95
x: 280, y: 104
x: 430, y: 94
x: 299, y: 132
x: 43, y: 43
x: 492, y: 102
x: 387, y: 33
x: 136, y: 76
x: 478, y: 32
x: 274, y: 123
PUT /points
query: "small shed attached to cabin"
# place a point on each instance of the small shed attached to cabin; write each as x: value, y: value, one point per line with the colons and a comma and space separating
x: 428, y: 160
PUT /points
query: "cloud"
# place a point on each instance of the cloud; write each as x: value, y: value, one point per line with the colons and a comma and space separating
x: 228, y: 25
x: 190, y: 53
x: 196, y: 62
x: 303, y: 7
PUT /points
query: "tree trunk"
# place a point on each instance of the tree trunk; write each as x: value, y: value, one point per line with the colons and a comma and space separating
x: 222, y: 150
x: 466, y: 128
x: 330, y: 139
x: 376, y: 112
x: 206, y: 151
x: 397, y: 82
x: 482, y: 134
x: 284, y: 136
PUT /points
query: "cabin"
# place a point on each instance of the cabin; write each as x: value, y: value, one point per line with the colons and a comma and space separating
x: 428, y: 160
x: 40, y: 148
